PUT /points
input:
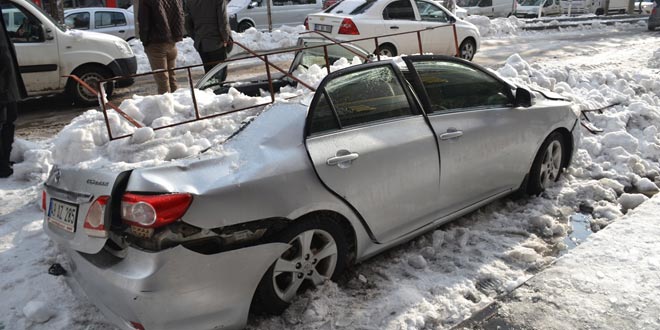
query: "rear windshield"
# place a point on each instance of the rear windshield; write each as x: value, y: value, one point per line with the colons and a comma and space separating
x: 351, y: 7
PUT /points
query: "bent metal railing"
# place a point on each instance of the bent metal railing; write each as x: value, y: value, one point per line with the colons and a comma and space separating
x: 263, y: 56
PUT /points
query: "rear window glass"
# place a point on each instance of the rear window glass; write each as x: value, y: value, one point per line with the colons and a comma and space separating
x: 351, y: 7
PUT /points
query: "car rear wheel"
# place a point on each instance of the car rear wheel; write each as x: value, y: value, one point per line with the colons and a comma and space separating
x: 467, y: 49
x: 244, y: 25
x: 547, y: 165
x: 91, y: 75
x: 387, y: 50
x: 317, y: 253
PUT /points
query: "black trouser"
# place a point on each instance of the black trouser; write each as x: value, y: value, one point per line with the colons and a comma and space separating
x: 8, y: 113
x: 212, y: 58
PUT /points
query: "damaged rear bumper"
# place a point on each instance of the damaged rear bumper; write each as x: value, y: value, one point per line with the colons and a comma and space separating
x: 176, y: 288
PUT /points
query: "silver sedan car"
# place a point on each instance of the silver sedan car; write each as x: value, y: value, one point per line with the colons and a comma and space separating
x: 383, y: 152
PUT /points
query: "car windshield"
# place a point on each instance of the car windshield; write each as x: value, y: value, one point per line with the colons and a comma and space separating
x: 468, y: 3
x: 51, y: 19
x: 531, y: 2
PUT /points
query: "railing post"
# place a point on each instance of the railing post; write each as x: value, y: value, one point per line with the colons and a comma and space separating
x: 270, y: 81
x: 419, y: 42
x: 377, y: 48
x: 192, y: 93
x: 105, y: 110
x: 325, y: 56
x: 453, y: 25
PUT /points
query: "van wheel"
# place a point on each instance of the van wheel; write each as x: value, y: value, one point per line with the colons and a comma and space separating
x: 90, y: 74
x: 599, y: 11
x: 244, y: 25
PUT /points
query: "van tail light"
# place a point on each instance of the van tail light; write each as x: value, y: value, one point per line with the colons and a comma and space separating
x: 654, y: 9
x: 153, y: 211
x: 348, y: 27
x: 43, y: 200
x: 306, y: 23
x: 94, y: 225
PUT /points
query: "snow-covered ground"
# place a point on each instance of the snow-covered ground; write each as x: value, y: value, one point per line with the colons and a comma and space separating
x: 436, y: 280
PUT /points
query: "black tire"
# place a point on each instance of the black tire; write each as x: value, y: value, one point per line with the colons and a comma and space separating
x: 467, y: 49
x: 90, y: 74
x: 600, y: 11
x: 268, y: 297
x: 244, y: 25
x: 547, y: 168
x: 386, y: 50
x: 651, y: 28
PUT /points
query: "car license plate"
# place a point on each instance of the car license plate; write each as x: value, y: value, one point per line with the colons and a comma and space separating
x: 63, y: 215
x: 323, y: 28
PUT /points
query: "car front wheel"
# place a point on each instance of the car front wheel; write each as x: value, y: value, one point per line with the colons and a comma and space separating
x: 317, y: 253
x: 467, y: 49
x: 547, y: 165
x: 91, y: 75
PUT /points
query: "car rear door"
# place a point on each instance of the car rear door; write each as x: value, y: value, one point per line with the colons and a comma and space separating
x: 399, y: 17
x: 371, y: 146
x: 111, y: 22
x: 483, y: 139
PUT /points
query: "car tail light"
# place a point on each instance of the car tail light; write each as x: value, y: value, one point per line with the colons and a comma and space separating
x: 348, y: 27
x: 94, y: 225
x: 137, y: 326
x: 43, y: 200
x: 306, y: 23
x: 153, y: 211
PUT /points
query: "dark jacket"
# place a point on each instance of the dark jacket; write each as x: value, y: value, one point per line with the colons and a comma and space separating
x: 207, y: 24
x: 11, y: 83
x: 160, y: 21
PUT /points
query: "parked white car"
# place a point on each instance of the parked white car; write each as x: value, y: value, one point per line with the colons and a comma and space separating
x: 644, y: 7
x: 253, y: 13
x: 358, y: 19
x: 490, y: 8
x: 47, y: 53
x: 530, y: 8
x: 115, y: 21
x: 594, y: 6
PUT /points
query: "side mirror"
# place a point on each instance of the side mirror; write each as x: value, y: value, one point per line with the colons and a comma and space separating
x: 523, y: 97
x: 253, y: 4
x: 452, y: 19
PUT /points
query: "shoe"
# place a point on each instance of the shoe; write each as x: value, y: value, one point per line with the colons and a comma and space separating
x: 6, y: 172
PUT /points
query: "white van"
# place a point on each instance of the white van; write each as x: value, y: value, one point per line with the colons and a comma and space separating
x: 530, y: 8
x: 594, y: 6
x: 490, y: 8
x: 253, y: 13
x: 47, y: 51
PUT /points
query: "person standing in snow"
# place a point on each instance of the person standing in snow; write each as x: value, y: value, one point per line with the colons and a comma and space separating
x: 161, y: 26
x: 12, y: 90
x: 206, y: 22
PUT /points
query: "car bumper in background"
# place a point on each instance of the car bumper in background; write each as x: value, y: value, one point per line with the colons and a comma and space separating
x: 175, y: 288
x: 124, y: 67
x: 654, y: 21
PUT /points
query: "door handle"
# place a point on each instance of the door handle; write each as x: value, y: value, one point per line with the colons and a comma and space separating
x: 451, y: 134
x: 343, y: 159
x: 394, y: 27
x: 122, y: 31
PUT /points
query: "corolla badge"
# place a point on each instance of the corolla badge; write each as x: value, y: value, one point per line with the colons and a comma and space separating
x: 97, y: 183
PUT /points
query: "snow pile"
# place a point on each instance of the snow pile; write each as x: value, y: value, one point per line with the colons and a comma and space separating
x: 85, y: 143
x: 496, y: 27
x: 654, y: 61
x: 285, y: 36
x: 626, y: 156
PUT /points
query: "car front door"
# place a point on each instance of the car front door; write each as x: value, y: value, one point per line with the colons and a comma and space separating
x: 482, y: 137
x: 372, y: 147
x: 440, y: 39
x: 36, y: 50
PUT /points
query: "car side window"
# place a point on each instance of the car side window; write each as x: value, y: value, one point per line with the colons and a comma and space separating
x: 108, y: 19
x: 486, y: 3
x: 430, y: 12
x: 360, y: 97
x: 78, y: 21
x: 293, y: 2
x: 400, y: 9
x: 453, y: 86
x: 22, y: 27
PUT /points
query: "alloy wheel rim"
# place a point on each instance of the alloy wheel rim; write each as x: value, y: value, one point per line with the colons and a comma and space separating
x: 386, y: 52
x: 312, y: 257
x: 551, y: 164
x: 467, y: 51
